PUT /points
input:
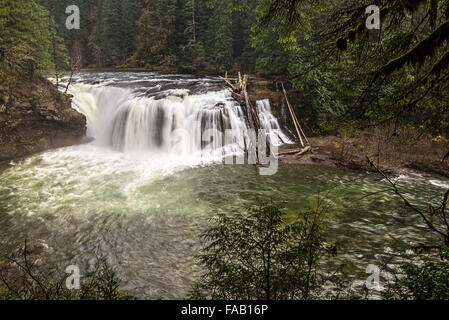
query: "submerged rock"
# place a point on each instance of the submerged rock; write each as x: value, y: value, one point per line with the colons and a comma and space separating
x: 35, y: 116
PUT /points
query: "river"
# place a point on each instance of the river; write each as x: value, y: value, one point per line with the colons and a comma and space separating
x: 140, y: 196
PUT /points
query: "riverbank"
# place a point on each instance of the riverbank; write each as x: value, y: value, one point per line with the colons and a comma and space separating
x: 34, y: 117
x: 424, y: 156
x: 397, y: 149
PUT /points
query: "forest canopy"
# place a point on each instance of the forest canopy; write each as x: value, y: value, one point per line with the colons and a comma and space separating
x: 337, y: 68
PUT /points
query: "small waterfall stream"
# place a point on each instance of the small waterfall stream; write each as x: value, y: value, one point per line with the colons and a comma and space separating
x: 276, y: 136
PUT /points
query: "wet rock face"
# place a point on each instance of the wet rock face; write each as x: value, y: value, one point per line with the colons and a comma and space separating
x: 35, y: 116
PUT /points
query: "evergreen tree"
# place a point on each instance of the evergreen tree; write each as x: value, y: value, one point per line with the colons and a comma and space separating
x: 131, y: 11
x: 243, y: 49
x: 191, y: 54
x: 25, y: 38
x: 156, y: 26
x: 272, y: 58
x: 222, y: 42
x: 57, y: 9
x: 58, y: 51
x: 109, y: 32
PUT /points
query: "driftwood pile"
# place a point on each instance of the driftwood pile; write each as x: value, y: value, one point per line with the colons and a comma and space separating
x: 238, y: 88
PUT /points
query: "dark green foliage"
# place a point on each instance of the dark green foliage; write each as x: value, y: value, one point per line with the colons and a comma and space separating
x: 193, y: 57
x: 58, y: 51
x: 400, y: 74
x: 107, y: 34
x: 417, y: 56
x: 428, y: 280
x: 189, y: 36
x: 157, y: 30
x: 262, y: 255
x: 222, y: 41
x: 272, y: 58
x: 25, y: 38
x: 24, y: 276
x: 337, y: 69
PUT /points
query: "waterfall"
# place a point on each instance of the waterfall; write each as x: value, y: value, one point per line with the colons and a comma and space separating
x: 271, y: 125
x: 120, y: 119
x: 284, y: 113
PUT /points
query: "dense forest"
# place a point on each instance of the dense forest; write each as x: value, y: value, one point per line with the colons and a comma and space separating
x: 337, y: 67
x: 186, y: 36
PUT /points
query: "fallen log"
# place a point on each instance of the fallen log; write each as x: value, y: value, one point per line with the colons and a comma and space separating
x: 239, y: 92
x: 296, y: 152
x: 229, y: 84
x: 304, y: 151
x: 286, y: 153
x: 237, y: 96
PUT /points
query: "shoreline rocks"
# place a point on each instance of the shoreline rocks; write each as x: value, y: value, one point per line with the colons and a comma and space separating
x: 34, y: 117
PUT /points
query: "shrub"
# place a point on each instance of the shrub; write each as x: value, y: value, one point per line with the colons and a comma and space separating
x: 262, y: 255
x: 24, y: 275
x: 426, y: 281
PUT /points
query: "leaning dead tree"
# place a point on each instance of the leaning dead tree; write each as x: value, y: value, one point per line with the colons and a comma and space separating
x: 238, y: 88
x: 304, y: 142
x: 75, y: 66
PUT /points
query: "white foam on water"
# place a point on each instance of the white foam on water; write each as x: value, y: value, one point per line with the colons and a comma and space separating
x: 188, y: 127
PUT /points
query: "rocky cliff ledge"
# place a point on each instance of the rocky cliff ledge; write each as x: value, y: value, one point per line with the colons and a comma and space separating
x: 35, y: 116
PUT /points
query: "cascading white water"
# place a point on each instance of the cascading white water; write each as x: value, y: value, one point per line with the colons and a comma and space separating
x: 271, y: 125
x: 188, y: 125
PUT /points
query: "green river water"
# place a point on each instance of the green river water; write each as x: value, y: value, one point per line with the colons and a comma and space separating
x: 145, y: 212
